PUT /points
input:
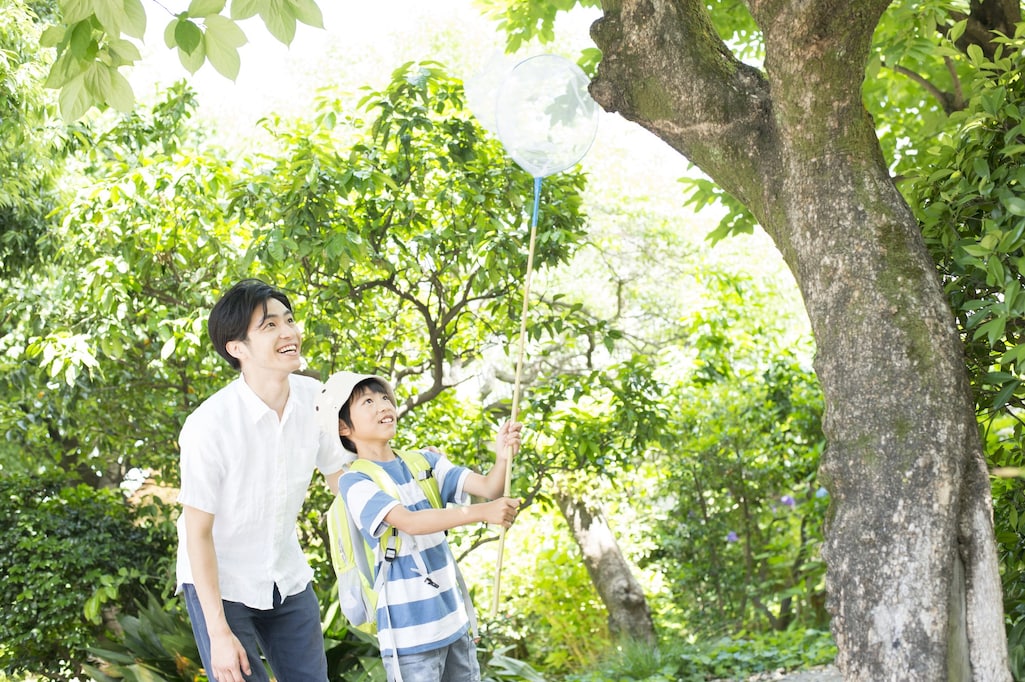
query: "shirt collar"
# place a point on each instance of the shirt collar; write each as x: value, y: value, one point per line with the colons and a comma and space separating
x: 254, y: 405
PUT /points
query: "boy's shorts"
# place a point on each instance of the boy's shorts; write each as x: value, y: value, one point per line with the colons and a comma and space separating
x: 456, y: 662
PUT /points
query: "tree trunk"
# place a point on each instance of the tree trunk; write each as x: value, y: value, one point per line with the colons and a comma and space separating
x: 629, y: 615
x: 912, y: 573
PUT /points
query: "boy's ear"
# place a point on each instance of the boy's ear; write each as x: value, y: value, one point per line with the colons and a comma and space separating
x: 343, y: 428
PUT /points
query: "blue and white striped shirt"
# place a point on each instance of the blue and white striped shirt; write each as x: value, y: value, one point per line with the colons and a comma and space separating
x: 420, y: 612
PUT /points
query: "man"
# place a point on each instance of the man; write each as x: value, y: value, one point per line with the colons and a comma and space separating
x: 247, y: 457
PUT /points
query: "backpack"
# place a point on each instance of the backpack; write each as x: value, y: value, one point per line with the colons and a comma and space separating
x: 353, y: 558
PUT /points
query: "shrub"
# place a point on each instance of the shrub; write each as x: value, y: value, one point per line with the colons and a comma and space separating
x: 67, y: 553
x: 157, y: 646
x: 729, y: 658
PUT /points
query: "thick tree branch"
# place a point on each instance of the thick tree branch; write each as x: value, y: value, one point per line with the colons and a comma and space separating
x: 692, y: 90
x: 945, y: 99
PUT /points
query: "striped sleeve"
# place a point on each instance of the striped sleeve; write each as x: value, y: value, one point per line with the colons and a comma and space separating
x: 451, y: 478
x: 367, y: 503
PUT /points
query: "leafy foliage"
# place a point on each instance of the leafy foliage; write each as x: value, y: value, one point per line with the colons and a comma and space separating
x: 971, y: 204
x: 1009, y: 522
x: 66, y: 553
x: 31, y: 148
x: 93, y: 41
x: 414, y: 232
x: 114, y: 324
x: 727, y: 658
x: 157, y: 645
x: 747, y: 437
x: 525, y: 20
x: 551, y: 618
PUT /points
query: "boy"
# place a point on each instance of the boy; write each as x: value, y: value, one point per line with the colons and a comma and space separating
x: 247, y: 456
x: 424, y: 628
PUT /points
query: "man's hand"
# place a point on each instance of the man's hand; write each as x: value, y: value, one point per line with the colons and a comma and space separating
x: 228, y: 658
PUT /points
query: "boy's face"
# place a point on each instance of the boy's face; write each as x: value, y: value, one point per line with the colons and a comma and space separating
x: 373, y: 417
x: 272, y: 340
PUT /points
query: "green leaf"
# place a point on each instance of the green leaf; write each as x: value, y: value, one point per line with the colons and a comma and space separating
x: 64, y: 69
x: 204, y: 8
x: 169, y: 30
x: 109, y: 13
x: 1014, y: 356
x: 74, y: 99
x: 1010, y: 241
x: 1015, y: 205
x: 981, y: 167
x: 134, y: 20
x: 74, y: 11
x: 220, y: 42
x: 82, y: 40
x: 91, y: 609
x: 992, y: 330
x: 120, y: 95
x: 123, y: 53
x: 194, y: 60
x: 279, y: 17
x: 52, y: 36
x: 244, y: 9
x: 1005, y: 394
x: 224, y: 31
x: 308, y: 13
x: 975, y: 250
x: 995, y: 276
x: 97, y: 81
x: 187, y: 36
x: 975, y: 54
x: 957, y: 30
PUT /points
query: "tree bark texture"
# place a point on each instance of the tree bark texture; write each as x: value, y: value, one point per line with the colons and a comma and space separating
x: 912, y: 572
x: 623, y: 596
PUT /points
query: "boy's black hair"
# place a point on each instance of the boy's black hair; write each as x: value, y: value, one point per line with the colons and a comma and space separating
x: 366, y: 386
x: 229, y: 318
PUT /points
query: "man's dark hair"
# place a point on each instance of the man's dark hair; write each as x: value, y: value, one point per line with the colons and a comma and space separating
x: 229, y: 319
x: 362, y: 388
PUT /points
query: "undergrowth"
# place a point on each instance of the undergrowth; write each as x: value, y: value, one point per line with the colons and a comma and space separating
x: 728, y: 658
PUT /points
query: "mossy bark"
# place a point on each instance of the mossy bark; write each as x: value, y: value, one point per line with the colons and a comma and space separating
x: 912, y: 570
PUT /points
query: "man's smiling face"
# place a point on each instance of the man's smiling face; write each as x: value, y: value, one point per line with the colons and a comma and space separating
x: 272, y: 342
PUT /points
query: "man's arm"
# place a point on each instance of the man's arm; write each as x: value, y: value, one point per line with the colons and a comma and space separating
x: 227, y: 656
x: 332, y: 481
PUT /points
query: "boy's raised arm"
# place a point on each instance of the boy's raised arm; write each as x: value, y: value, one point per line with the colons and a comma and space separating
x: 492, y: 486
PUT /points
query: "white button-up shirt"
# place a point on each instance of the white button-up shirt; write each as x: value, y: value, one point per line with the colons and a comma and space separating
x: 251, y: 470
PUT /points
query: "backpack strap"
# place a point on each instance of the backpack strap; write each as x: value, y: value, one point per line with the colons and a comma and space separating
x: 390, y: 539
x: 423, y: 474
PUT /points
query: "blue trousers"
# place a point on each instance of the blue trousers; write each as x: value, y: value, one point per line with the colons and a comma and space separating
x: 288, y: 635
